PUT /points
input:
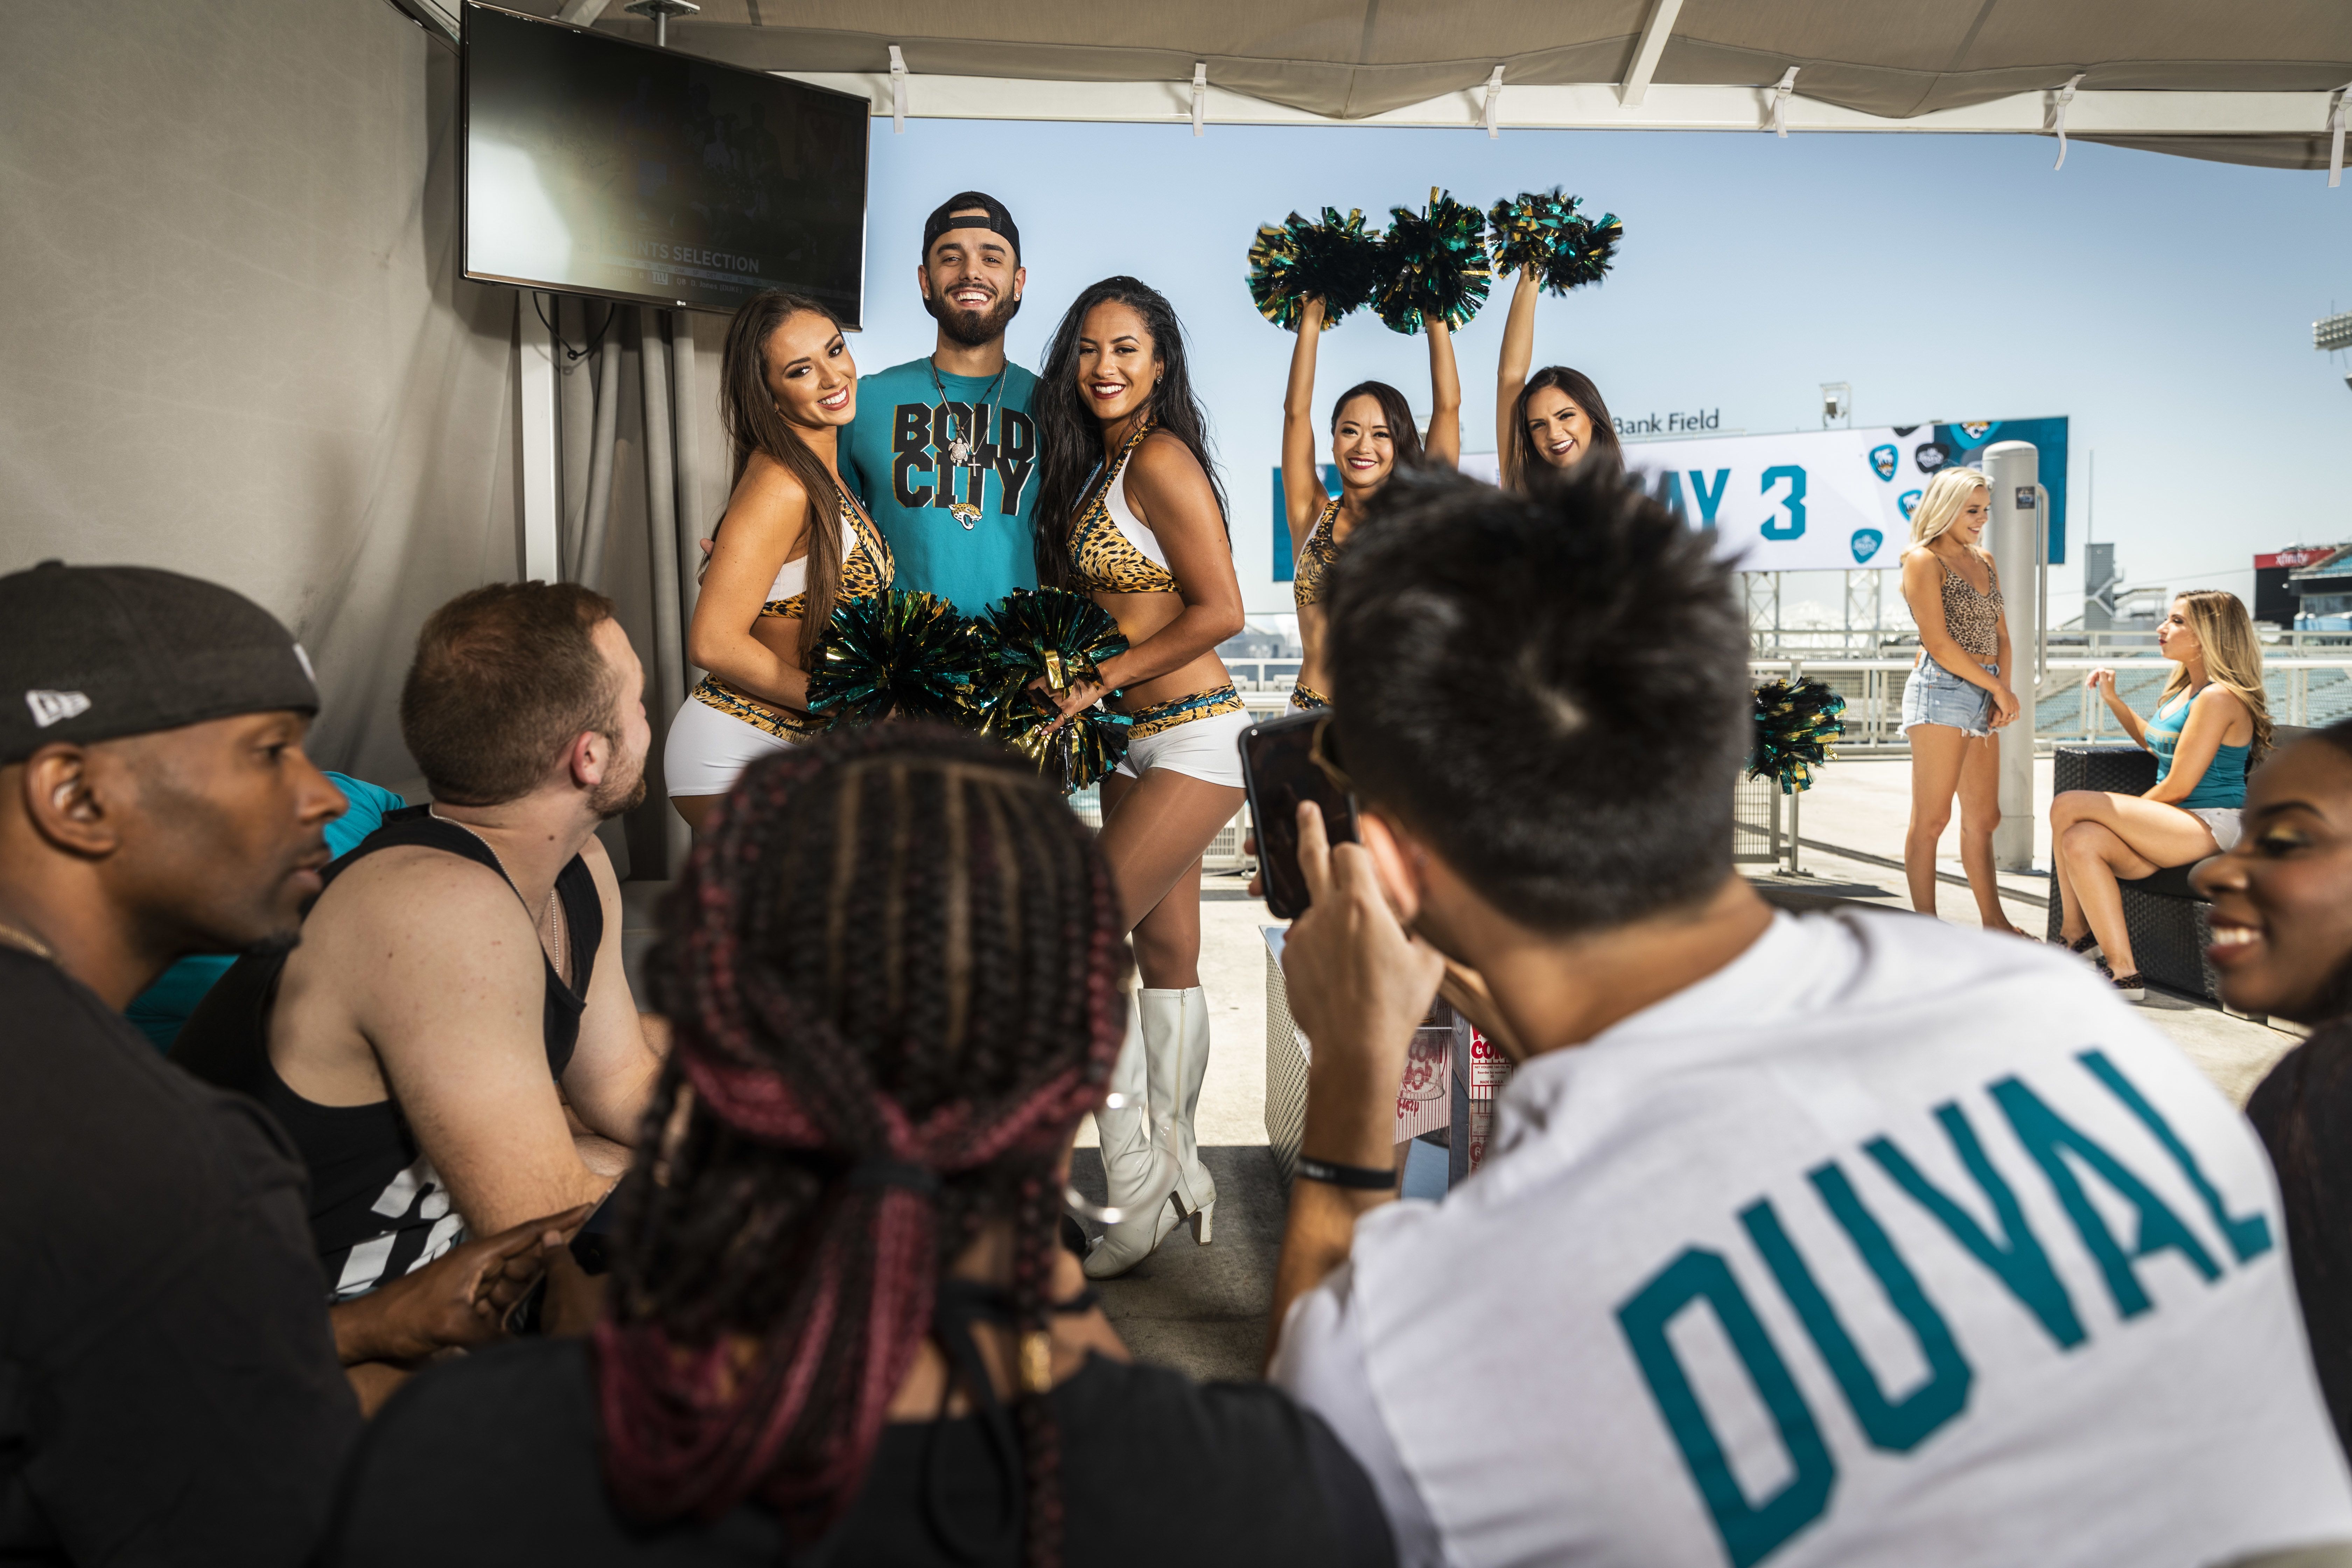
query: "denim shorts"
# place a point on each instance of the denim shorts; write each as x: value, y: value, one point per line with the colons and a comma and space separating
x: 1934, y: 695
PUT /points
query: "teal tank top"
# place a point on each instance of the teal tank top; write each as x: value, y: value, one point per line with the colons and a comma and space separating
x: 2224, y: 784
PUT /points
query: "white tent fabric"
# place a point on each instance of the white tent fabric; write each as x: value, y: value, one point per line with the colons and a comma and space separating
x: 236, y: 343
x: 2133, y: 66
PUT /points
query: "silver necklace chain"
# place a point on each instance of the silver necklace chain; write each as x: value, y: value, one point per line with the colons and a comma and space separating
x: 553, y: 935
x: 961, y: 451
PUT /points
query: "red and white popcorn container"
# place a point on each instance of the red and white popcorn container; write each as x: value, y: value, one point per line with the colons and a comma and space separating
x: 1483, y: 1070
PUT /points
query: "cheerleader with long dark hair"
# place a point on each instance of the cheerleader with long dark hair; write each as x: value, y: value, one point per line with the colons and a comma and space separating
x: 1129, y: 510
x: 792, y: 544
x: 1373, y: 436
x: 1553, y: 418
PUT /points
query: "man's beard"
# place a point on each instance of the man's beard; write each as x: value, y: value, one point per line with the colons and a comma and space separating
x: 615, y: 798
x: 973, y: 329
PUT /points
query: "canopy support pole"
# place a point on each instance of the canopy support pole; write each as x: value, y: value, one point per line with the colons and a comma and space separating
x: 1655, y: 33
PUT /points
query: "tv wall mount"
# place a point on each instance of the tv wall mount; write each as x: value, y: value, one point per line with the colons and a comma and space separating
x: 661, y: 11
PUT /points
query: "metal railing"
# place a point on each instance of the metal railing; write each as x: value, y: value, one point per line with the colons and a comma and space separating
x: 2302, y: 692
x: 1879, y: 640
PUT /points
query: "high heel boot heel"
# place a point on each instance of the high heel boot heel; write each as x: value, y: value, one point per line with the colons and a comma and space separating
x: 1138, y: 1163
x: 1196, y: 1191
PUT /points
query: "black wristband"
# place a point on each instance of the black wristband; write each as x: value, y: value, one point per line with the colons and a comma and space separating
x: 1366, y: 1178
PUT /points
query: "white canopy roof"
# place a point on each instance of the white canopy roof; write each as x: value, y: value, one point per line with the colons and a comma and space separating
x: 2251, y: 84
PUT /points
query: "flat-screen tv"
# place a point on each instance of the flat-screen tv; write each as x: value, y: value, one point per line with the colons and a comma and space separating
x: 593, y: 165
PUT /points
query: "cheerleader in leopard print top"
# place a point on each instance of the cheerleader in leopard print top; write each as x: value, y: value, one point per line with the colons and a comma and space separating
x: 1373, y: 436
x: 1130, y: 512
x: 793, y: 543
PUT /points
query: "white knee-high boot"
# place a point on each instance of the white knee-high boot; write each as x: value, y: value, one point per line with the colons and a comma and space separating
x: 1137, y: 1173
x: 1196, y: 1192
x: 1143, y: 1174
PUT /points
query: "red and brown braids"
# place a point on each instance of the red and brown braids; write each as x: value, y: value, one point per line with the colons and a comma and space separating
x: 895, y: 980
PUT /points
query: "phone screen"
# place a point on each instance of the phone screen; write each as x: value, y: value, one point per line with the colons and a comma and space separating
x: 1279, y: 770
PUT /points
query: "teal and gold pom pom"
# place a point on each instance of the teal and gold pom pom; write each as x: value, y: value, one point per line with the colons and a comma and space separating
x: 896, y: 655
x: 1795, y: 724
x: 1435, y: 266
x: 1335, y: 260
x: 1060, y: 637
x: 1541, y: 229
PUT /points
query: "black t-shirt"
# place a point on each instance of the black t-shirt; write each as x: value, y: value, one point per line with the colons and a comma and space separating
x: 493, y: 1461
x: 378, y: 1209
x: 169, y: 1391
x: 2304, y: 1111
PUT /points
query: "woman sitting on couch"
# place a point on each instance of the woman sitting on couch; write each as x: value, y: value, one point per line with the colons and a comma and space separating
x: 2210, y: 724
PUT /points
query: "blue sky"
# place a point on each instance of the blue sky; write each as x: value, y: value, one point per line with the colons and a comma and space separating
x: 2165, y: 304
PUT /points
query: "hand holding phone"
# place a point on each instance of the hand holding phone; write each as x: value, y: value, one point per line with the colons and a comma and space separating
x: 1279, y: 769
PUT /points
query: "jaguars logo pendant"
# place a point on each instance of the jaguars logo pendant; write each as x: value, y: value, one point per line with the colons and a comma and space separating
x: 966, y: 513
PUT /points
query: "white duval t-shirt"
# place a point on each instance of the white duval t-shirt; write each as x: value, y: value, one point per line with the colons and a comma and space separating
x: 1889, y: 1242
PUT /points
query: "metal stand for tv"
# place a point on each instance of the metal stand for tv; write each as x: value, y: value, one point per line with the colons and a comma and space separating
x: 661, y: 11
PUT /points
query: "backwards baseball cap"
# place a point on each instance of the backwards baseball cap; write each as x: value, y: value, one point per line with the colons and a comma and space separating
x: 972, y: 209
x: 93, y: 653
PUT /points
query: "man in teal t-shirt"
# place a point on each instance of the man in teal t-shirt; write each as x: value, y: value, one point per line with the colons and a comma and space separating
x: 943, y: 451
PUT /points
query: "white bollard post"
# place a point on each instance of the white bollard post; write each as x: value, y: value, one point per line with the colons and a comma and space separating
x: 2014, y: 469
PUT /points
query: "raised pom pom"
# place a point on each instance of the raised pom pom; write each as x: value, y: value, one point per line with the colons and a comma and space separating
x: 1433, y: 265
x: 1795, y: 722
x: 1541, y: 229
x: 1061, y: 637
x: 896, y: 655
x: 1335, y: 259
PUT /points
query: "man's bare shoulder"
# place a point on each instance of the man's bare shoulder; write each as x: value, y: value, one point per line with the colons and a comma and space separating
x: 412, y: 905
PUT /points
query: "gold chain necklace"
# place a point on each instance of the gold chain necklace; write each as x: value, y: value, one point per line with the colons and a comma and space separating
x: 17, y: 937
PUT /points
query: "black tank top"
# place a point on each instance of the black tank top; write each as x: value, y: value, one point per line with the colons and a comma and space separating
x: 377, y: 1208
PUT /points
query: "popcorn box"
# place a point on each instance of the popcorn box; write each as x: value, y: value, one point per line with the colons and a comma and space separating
x: 1424, y: 1098
x: 1487, y: 1070
x: 1481, y: 1070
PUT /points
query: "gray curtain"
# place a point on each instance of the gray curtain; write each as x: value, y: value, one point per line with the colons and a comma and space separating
x: 236, y: 343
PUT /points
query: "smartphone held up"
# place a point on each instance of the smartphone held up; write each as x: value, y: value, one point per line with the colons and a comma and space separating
x: 1285, y: 761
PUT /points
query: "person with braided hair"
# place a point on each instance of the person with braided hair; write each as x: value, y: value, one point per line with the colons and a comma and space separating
x: 841, y: 1330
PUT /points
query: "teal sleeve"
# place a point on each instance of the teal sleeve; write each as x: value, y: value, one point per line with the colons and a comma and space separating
x: 846, y: 456
x: 368, y: 805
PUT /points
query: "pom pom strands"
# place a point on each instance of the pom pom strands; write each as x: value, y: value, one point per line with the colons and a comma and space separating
x: 1335, y: 259
x: 1542, y: 230
x: 1063, y: 637
x: 1795, y: 722
x: 1435, y: 266
x: 900, y: 653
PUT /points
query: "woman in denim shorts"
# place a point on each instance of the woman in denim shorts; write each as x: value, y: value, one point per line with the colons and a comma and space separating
x: 1955, y: 696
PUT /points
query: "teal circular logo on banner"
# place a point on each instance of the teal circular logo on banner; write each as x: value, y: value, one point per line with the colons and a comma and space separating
x: 1882, y: 462
x: 1865, y: 543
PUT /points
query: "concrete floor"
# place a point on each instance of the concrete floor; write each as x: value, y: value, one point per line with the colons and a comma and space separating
x: 1203, y: 1309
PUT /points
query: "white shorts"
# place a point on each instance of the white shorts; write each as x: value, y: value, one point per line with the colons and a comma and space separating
x: 2221, y: 819
x: 707, y: 749
x: 1208, y: 749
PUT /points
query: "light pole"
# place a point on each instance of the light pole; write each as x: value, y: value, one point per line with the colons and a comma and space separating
x: 2332, y: 333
